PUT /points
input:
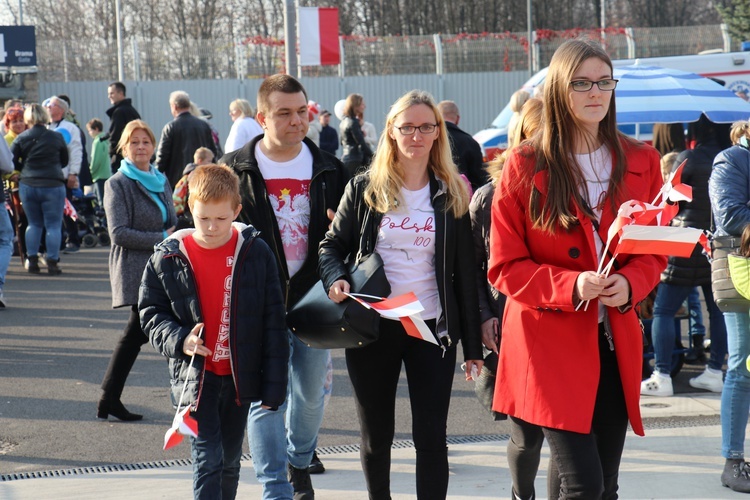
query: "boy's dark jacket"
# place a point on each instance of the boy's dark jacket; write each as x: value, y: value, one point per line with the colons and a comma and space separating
x: 329, y: 178
x: 258, y: 340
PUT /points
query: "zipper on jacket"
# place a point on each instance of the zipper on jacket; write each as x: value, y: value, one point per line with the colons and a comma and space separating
x: 444, y: 337
x: 233, y: 361
x: 178, y: 255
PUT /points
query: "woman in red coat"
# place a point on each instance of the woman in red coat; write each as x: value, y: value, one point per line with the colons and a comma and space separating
x: 575, y: 373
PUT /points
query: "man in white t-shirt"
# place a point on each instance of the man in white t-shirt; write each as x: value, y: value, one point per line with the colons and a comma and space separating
x: 290, y: 190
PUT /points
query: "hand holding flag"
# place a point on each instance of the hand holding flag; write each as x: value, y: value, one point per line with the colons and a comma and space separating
x: 183, y: 424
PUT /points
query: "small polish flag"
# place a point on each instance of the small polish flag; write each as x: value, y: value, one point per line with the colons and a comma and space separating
x: 406, y: 308
x: 318, y: 36
x: 182, y: 425
x: 417, y: 328
x: 658, y: 240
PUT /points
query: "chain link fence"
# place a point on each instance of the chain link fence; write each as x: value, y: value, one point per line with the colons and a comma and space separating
x: 96, y: 59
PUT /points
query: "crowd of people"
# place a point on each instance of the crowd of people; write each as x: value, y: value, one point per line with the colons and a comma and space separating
x: 211, y: 246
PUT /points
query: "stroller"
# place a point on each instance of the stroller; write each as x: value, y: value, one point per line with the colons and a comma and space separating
x: 90, y: 220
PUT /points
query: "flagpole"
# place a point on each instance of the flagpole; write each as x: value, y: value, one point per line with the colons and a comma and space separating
x: 290, y: 35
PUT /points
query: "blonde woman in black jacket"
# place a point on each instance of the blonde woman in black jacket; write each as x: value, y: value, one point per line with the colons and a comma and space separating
x: 415, y: 212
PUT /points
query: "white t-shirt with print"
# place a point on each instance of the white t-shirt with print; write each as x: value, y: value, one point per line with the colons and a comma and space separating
x: 406, y: 242
x: 288, y: 186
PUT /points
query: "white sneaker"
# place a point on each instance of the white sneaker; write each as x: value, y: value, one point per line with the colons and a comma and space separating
x: 708, y: 380
x: 657, y: 385
x: 2, y: 300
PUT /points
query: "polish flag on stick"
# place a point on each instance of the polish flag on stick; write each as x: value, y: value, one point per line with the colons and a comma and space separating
x: 674, y: 190
x: 318, y: 36
x: 659, y: 240
x: 182, y: 424
x: 405, y: 308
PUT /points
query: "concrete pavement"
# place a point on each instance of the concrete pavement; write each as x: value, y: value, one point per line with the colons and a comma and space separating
x: 681, y: 461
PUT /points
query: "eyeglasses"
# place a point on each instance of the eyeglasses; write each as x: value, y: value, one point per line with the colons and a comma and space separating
x: 585, y: 85
x: 425, y: 128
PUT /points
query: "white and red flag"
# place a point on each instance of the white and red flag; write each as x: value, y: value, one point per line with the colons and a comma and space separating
x: 318, y: 36
x: 182, y: 425
x: 405, y: 308
x: 659, y: 240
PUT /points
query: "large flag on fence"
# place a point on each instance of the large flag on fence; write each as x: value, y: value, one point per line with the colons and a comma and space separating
x: 318, y: 36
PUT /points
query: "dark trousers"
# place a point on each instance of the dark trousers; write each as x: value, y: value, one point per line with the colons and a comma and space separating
x: 524, y: 451
x: 217, y: 450
x: 124, y: 356
x: 374, y: 371
x: 589, y: 464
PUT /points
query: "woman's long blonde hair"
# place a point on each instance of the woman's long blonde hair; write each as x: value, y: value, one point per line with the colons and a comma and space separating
x: 383, y: 193
x: 527, y: 125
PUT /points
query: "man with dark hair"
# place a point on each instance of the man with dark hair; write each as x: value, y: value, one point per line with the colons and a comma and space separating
x: 181, y: 137
x: 290, y: 189
x: 467, y: 154
x: 120, y: 114
x: 329, y: 139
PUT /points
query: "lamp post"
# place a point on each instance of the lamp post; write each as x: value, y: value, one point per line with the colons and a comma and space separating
x: 120, y: 65
x: 20, y: 12
x: 528, y: 35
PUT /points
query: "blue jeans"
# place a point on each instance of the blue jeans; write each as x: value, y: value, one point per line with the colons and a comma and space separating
x: 669, y: 298
x: 6, y: 243
x: 98, y: 188
x: 217, y: 450
x: 44, y: 210
x: 275, y: 442
x: 696, y: 315
x: 735, y: 398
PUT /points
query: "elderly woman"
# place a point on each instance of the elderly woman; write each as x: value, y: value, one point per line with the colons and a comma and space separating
x: 244, y: 127
x: 40, y: 155
x: 136, y: 189
x: 356, y: 152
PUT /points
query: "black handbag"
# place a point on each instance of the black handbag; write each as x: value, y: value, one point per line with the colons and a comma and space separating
x: 321, y: 323
x: 726, y: 296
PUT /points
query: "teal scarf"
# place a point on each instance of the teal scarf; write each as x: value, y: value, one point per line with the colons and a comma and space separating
x: 153, y: 180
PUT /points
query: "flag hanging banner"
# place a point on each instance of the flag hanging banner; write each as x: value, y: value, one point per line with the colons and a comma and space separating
x: 318, y: 36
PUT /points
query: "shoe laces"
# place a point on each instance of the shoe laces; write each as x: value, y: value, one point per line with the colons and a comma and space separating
x: 742, y: 470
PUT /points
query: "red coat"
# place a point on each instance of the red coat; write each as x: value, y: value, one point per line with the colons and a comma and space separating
x: 549, y: 357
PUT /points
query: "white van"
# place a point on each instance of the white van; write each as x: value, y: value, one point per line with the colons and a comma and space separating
x: 731, y: 67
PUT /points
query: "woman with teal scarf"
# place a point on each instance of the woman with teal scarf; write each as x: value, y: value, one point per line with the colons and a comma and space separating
x: 138, y: 204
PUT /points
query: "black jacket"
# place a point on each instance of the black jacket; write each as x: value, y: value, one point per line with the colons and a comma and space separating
x: 326, y: 188
x: 258, y: 341
x: 491, y: 302
x: 454, y: 256
x: 179, y: 140
x: 120, y: 115
x: 354, y: 146
x: 329, y: 140
x: 696, y: 270
x: 40, y: 155
x: 467, y: 154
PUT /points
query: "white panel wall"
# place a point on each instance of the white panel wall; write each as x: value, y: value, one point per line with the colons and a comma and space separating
x: 480, y: 96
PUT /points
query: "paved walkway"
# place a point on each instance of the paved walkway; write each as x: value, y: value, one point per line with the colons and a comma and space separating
x: 680, y: 462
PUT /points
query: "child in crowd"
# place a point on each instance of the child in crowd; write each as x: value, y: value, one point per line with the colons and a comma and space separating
x: 214, y: 291
x: 667, y: 163
x: 99, y: 165
x: 202, y: 156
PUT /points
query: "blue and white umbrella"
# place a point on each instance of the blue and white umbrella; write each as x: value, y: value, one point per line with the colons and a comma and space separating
x: 652, y: 94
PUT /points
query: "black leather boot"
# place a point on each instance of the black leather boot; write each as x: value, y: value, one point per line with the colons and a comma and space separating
x: 115, y: 408
x: 32, y: 264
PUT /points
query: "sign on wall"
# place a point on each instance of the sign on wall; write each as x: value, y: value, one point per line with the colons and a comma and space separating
x: 17, y: 46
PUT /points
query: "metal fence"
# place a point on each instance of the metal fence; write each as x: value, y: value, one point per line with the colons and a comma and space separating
x: 96, y: 59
